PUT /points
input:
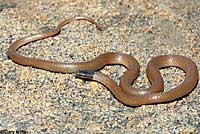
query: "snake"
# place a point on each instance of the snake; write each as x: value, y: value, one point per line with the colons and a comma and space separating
x: 123, y: 91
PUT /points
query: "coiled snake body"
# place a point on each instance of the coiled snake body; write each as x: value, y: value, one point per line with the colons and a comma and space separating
x: 124, y: 92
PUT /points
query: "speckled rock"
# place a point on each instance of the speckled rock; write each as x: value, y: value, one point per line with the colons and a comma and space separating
x: 38, y: 101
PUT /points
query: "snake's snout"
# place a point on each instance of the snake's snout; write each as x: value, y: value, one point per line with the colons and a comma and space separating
x: 85, y: 74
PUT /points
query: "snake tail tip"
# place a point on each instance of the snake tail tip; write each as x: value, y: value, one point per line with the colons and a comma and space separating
x: 100, y: 28
x: 85, y: 74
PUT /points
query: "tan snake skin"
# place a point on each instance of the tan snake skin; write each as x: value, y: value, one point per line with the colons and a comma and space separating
x: 124, y: 92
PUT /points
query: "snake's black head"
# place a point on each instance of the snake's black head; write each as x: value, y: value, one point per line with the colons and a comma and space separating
x: 85, y: 74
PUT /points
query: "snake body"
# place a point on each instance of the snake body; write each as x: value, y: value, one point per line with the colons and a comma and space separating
x: 124, y: 92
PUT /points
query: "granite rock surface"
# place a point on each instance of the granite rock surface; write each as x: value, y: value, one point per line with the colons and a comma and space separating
x: 38, y: 101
